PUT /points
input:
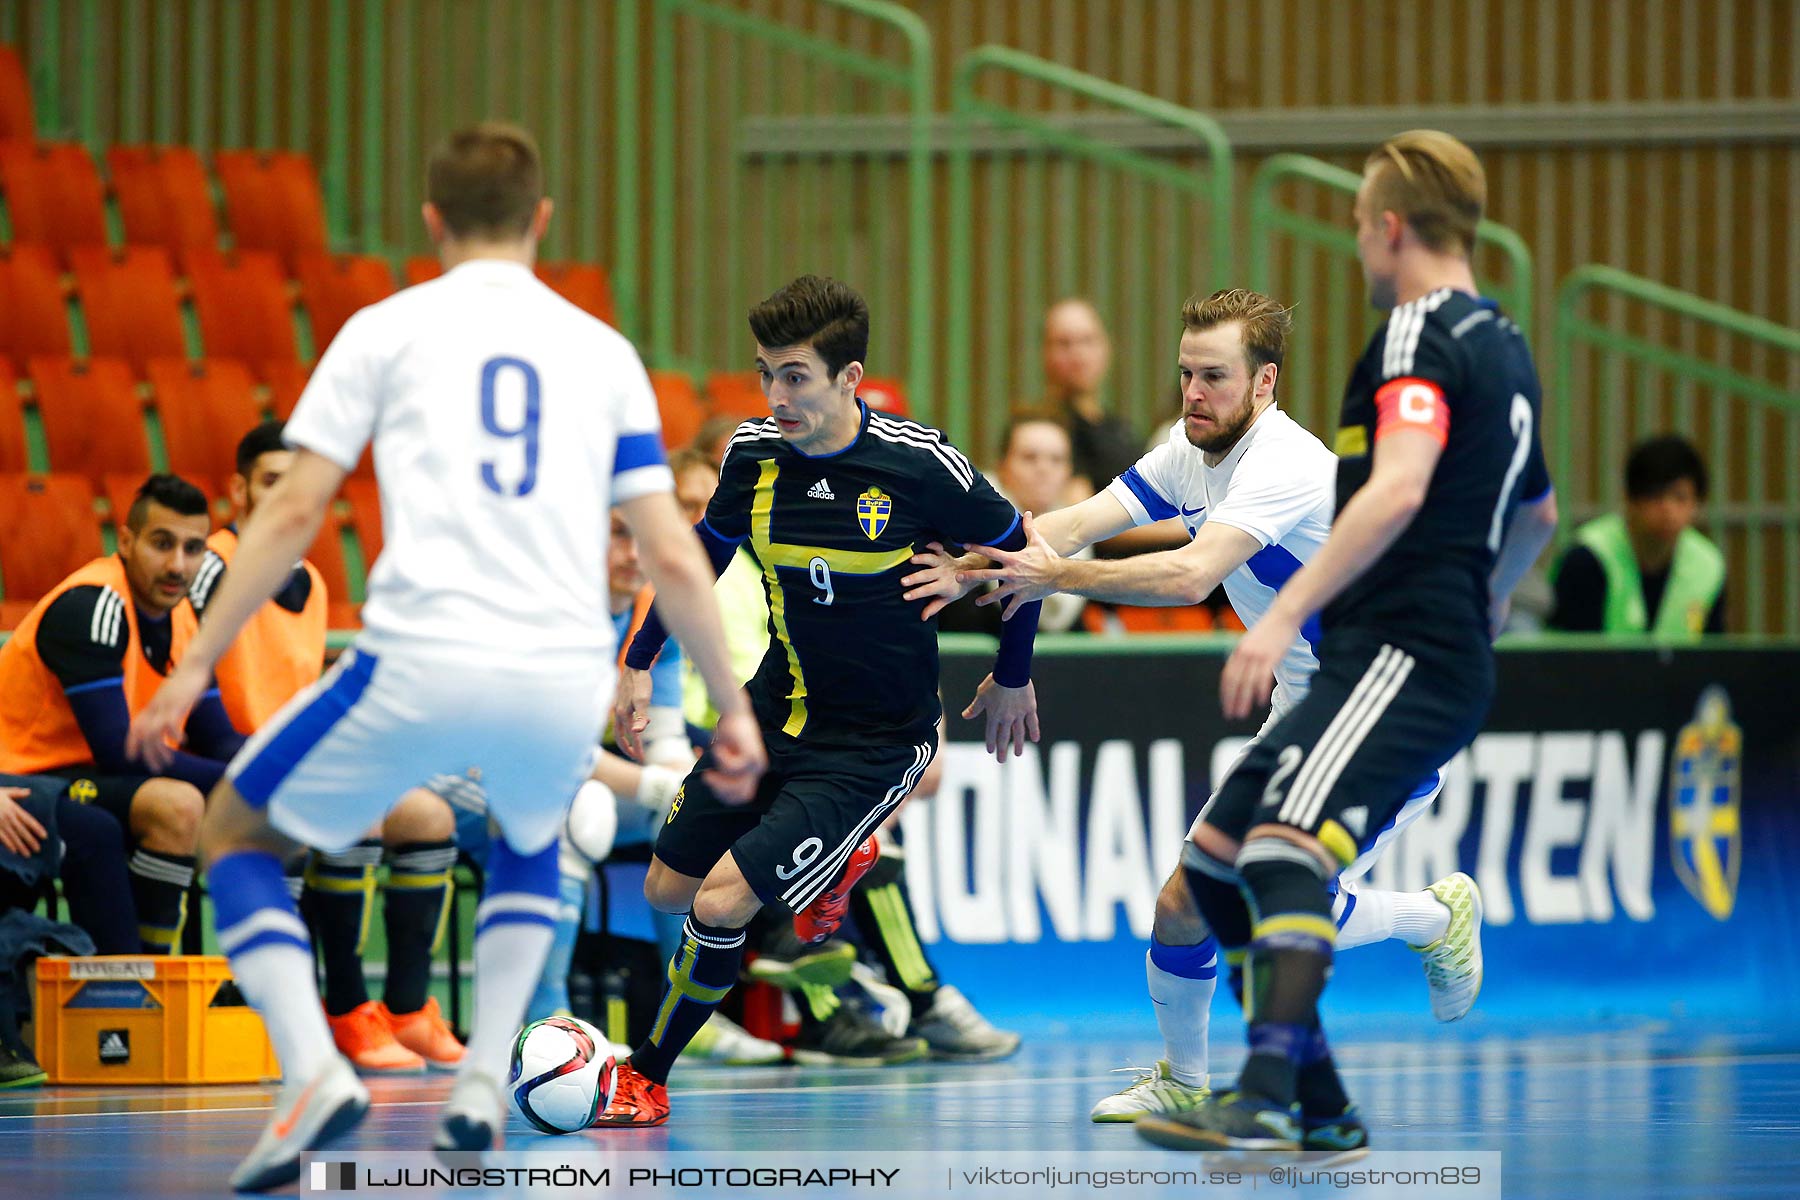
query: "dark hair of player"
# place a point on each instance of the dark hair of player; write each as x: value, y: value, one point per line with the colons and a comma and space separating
x: 264, y: 439
x: 1660, y: 463
x: 815, y: 311
x: 1434, y: 183
x: 172, y: 492
x: 486, y: 181
x: 1020, y: 420
x: 1265, y: 325
x: 689, y: 457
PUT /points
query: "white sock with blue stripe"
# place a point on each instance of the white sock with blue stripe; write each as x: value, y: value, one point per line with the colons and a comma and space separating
x: 1365, y: 915
x: 513, y: 930
x: 1182, y: 980
x: 271, y: 958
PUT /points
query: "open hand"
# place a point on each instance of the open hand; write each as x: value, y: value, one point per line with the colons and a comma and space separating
x: 1011, y: 716
x: 939, y: 582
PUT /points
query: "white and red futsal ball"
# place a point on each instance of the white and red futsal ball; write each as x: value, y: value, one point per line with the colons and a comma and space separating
x: 562, y: 1074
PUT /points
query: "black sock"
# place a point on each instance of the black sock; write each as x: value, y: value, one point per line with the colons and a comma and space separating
x: 1317, y: 1086
x: 881, y: 906
x: 418, y: 895
x: 159, y: 887
x: 335, y: 904
x: 703, y: 970
x: 1290, y: 957
x: 96, y: 881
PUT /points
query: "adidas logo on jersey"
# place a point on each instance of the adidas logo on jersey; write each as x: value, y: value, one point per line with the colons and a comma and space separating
x: 821, y: 491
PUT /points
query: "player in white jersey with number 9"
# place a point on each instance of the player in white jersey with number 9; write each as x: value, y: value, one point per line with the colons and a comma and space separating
x: 506, y: 425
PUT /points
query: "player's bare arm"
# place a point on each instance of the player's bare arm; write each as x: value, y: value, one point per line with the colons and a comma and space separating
x: 1186, y: 575
x: 683, y: 578
x: 286, y: 523
x: 1067, y: 530
x: 1378, y: 513
x: 1526, y: 536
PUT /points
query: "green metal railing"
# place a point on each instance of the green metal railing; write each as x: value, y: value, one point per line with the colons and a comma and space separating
x: 727, y: 225
x: 1179, y: 214
x: 1324, y: 279
x: 1630, y: 385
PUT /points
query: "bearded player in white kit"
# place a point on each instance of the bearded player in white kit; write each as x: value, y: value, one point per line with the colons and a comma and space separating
x: 1256, y: 491
x: 507, y: 424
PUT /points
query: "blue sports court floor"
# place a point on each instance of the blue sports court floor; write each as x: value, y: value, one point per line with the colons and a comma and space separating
x: 1614, y: 1111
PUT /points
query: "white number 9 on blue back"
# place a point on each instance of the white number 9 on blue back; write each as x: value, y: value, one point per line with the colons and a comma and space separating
x: 526, y: 429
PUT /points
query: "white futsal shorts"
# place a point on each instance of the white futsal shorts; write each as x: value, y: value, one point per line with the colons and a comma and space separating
x: 341, y: 753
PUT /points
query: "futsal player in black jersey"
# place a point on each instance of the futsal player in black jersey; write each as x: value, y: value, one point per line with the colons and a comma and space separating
x: 832, y: 500
x: 1443, y: 501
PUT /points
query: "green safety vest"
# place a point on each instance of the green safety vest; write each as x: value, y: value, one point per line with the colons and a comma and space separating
x: 1696, y: 577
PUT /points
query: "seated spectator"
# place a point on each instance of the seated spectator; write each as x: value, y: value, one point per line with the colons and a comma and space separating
x: 1646, y: 570
x: 86, y: 659
x: 1077, y: 354
x: 1034, y: 472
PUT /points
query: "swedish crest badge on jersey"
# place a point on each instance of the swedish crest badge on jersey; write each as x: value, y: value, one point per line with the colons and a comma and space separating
x: 873, y: 508
x: 1705, y: 825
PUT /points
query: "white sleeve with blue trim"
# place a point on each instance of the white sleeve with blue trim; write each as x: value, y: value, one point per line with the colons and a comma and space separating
x: 1275, y: 487
x: 639, y: 464
x: 1148, y: 489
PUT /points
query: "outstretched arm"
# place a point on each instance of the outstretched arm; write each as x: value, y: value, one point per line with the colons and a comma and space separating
x: 1066, y: 531
x: 1172, y: 577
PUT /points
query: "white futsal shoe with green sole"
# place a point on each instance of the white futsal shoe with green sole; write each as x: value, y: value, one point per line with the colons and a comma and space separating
x: 1154, y: 1093
x: 1453, y: 962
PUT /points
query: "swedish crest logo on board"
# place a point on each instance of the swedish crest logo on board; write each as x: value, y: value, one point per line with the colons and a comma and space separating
x: 873, y: 508
x: 1705, y: 818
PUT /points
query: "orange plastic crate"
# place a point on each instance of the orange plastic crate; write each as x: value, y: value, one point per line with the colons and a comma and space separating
x: 147, y: 1019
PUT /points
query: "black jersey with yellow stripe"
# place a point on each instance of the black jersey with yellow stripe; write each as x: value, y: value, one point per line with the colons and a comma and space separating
x: 849, y: 660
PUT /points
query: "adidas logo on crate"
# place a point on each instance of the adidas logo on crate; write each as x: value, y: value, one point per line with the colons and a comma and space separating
x: 821, y: 491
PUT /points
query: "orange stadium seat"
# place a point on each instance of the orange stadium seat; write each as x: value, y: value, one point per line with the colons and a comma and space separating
x: 242, y: 302
x: 16, y: 120
x: 53, y: 195
x: 422, y: 268
x: 14, y: 455
x: 165, y: 198
x: 273, y: 202
x: 679, y: 405
x: 33, y: 318
x: 286, y: 379
x: 93, y: 418
x: 206, y: 408
x: 51, y: 530
x: 884, y: 395
x: 129, y: 303
x: 333, y: 287
x: 365, y: 517
x: 736, y: 394
x: 582, y: 284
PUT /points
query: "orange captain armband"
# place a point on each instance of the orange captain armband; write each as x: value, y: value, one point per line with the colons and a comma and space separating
x: 1412, y: 403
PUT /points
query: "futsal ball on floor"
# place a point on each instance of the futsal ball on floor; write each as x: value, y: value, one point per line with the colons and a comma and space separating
x: 561, y: 1076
